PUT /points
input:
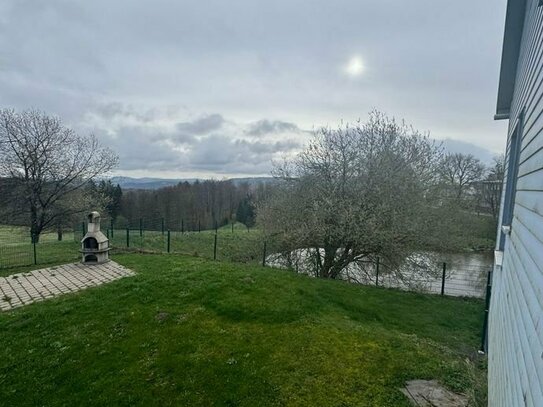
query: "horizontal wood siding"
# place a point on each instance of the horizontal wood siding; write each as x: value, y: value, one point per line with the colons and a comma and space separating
x: 516, y: 315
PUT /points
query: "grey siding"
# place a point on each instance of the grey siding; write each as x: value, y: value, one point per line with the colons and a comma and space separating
x: 516, y: 315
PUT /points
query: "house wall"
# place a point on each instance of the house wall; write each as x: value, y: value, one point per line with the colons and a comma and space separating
x: 516, y: 314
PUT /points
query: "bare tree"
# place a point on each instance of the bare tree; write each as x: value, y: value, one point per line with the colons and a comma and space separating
x: 491, y: 186
x: 355, y: 193
x: 47, y: 165
x: 459, y: 171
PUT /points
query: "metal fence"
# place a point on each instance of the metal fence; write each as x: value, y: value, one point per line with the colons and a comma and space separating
x: 438, y: 278
x: 22, y: 254
x: 239, y: 245
x: 234, y: 242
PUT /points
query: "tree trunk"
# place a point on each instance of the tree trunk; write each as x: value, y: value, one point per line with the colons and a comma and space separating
x: 35, y: 229
x: 328, y: 263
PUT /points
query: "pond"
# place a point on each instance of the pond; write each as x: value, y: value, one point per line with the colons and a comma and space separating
x: 465, y: 273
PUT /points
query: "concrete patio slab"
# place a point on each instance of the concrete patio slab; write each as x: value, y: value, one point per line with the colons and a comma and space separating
x: 21, y: 289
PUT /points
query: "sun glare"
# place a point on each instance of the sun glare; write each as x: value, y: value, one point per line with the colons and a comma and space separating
x: 355, y: 66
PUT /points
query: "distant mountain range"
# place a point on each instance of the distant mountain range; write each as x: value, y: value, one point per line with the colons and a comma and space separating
x: 156, y: 183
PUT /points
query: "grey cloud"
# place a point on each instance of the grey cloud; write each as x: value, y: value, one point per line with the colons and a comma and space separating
x: 157, y: 148
x: 227, y: 154
x: 434, y: 63
x: 269, y: 148
x: 181, y: 138
x: 202, y: 125
x: 142, y: 148
x: 263, y: 127
x: 110, y: 110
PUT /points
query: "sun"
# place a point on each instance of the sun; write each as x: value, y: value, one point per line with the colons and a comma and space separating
x: 355, y: 66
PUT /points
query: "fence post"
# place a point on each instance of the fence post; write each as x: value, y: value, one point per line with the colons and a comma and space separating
x: 377, y: 271
x: 232, y: 227
x: 111, y: 228
x: 182, y: 226
x: 199, y: 229
x: 127, y: 237
x: 443, y: 278
x: 82, y: 229
x: 216, y: 227
x: 141, y: 227
x: 487, y: 308
x: 215, y: 248
x: 162, y: 227
x: 317, y: 259
x: 168, y: 240
x: 34, y: 249
x: 107, y: 233
x: 264, y: 255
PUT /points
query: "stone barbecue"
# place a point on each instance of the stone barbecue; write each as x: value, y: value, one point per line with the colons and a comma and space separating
x: 94, y: 245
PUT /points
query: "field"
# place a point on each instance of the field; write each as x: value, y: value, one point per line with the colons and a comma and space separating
x: 16, y: 249
x: 239, y: 245
x: 190, y: 331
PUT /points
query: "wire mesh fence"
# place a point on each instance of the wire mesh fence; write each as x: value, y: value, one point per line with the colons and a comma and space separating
x: 234, y: 242
x: 236, y: 245
x: 439, y: 278
x: 420, y: 273
x: 20, y: 254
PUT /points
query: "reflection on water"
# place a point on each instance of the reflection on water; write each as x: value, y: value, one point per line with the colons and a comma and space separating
x: 465, y: 273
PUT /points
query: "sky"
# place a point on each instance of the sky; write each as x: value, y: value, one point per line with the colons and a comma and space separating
x: 223, y: 88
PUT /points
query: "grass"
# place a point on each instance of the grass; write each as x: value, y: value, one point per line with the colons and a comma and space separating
x: 14, y: 235
x: 16, y: 249
x: 189, y: 331
x: 240, y: 246
x: 474, y: 232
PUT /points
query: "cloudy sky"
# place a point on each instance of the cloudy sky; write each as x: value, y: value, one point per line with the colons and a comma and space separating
x: 220, y: 88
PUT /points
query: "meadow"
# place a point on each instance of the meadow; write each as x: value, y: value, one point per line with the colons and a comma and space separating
x: 196, y: 332
x: 16, y: 249
x: 241, y: 245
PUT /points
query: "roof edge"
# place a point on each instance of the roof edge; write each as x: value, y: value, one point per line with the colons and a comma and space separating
x: 502, y: 116
x: 514, y: 26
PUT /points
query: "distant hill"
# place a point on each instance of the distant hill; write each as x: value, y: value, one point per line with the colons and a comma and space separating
x: 146, y: 183
x: 156, y: 183
x: 251, y: 180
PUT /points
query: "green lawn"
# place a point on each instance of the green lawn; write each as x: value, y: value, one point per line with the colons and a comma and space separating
x: 10, y: 235
x: 238, y: 246
x: 16, y: 249
x: 242, y: 246
x: 187, y: 331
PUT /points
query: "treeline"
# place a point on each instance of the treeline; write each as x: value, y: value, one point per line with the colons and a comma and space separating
x: 466, y: 181
x: 96, y: 195
x: 190, y: 206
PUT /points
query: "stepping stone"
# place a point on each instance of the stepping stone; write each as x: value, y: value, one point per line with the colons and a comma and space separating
x: 429, y: 393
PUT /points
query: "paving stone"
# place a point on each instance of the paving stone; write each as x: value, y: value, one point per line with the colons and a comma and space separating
x: 429, y: 393
x: 25, y: 288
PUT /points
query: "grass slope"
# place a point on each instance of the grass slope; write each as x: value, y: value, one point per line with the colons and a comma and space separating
x: 16, y: 249
x: 240, y: 246
x: 189, y: 331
